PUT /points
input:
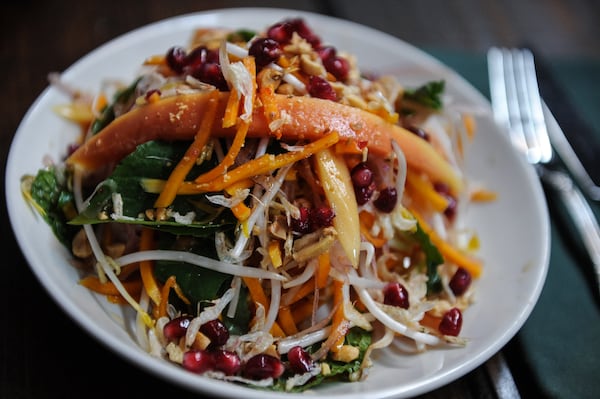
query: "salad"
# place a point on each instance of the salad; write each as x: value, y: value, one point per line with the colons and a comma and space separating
x: 273, y: 214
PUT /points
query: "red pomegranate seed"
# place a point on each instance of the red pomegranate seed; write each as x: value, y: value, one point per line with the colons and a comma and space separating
x: 176, y: 58
x: 226, y: 361
x: 396, y: 294
x: 361, y: 175
x: 364, y: 194
x: 387, y: 199
x: 176, y: 328
x: 198, y: 361
x: 460, y: 282
x: 418, y: 131
x: 281, y: 32
x: 338, y: 67
x: 300, y: 360
x: 321, y: 216
x: 451, y: 322
x: 216, y: 331
x: 302, y: 224
x: 263, y: 366
x: 320, y: 88
x: 265, y: 51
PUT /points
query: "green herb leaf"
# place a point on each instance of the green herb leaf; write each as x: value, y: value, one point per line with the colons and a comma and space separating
x: 433, y: 258
x: 428, y: 95
x: 123, y: 98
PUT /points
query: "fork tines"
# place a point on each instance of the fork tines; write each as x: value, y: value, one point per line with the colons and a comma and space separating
x: 517, y: 103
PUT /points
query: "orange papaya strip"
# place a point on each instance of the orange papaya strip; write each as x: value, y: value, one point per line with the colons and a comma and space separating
x: 178, y: 117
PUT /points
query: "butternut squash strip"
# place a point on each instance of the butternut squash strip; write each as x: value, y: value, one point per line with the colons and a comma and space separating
x: 186, y: 163
x: 449, y: 252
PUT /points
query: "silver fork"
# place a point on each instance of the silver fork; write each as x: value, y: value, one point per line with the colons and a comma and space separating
x: 517, y: 105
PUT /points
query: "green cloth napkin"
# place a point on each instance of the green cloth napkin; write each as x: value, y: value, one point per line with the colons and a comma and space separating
x: 556, y: 354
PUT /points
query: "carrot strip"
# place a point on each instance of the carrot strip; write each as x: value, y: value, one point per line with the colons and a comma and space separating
x: 305, y: 289
x: 338, y: 315
x: 258, y: 166
x: 230, y: 118
x: 423, y: 190
x: 472, y: 265
x: 234, y: 150
x: 162, y: 306
x: 286, y: 320
x: 483, y: 195
x: 186, y: 163
x: 366, y: 222
x: 322, y: 272
x: 256, y: 291
x: 302, y: 310
x: 147, y: 268
x: 108, y: 288
x: 232, y: 108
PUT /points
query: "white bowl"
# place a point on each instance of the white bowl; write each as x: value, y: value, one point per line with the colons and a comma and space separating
x: 514, y: 229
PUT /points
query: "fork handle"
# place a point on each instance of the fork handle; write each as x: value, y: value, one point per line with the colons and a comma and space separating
x: 581, y: 213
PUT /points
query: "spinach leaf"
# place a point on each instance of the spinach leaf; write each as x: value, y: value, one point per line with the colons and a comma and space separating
x: 433, y: 259
x: 339, y: 371
x: 201, y: 285
x: 122, y: 98
x: 155, y: 160
x: 50, y: 193
x: 428, y: 94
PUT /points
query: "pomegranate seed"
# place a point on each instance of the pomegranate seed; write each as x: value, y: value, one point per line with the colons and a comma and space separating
x: 364, y: 194
x: 387, y: 199
x: 460, y: 281
x: 265, y: 51
x: 281, y: 32
x: 326, y: 52
x: 338, y: 67
x: 321, y: 216
x: 444, y: 190
x: 198, y: 361
x: 418, y: 131
x: 176, y: 58
x: 320, y: 88
x: 210, y: 72
x: 176, y: 328
x: 300, y: 360
x: 451, y: 322
x: 263, y: 366
x: 216, y: 331
x: 299, y: 26
x: 196, y: 57
x: 362, y: 175
x: 395, y: 294
x: 226, y: 361
x: 302, y: 224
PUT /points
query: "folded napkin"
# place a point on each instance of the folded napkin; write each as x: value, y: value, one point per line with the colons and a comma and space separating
x: 556, y: 354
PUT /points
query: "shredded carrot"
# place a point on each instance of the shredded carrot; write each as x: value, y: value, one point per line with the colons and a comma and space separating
x: 170, y: 284
x: 186, y: 163
x: 286, y: 320
x: 302, y: 310
x: 155, y: 60
x: 258, y: 166
x: 322, y: 272
x: 256, y: 291
x: 448, y: 251
x: 423, y: 190
x: 258, y: 295
x: 483, y: 195
x: 338, y: 315
x: 232, y: 109
x: 305, y: 289
x: 236, y: 146
x: 108, y: 288
x: 147, y: 267
x: 366, y: 222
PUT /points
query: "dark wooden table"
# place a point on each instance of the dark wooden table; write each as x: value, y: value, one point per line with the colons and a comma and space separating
x: 43, y: 353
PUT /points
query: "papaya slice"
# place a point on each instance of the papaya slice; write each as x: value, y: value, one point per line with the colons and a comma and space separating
x: 306, y: 118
